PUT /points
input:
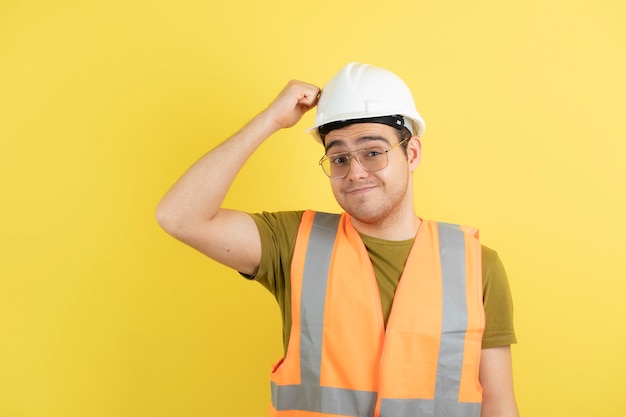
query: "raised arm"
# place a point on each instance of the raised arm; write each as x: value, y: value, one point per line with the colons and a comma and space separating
x: 191, y: 210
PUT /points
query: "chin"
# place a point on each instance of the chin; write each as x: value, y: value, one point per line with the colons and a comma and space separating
x: 366, y: 216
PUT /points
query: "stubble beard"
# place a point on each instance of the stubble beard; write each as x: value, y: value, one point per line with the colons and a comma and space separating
x: 380, y: 211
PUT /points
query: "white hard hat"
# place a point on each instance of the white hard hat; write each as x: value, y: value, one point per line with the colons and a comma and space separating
x: 361, y: 91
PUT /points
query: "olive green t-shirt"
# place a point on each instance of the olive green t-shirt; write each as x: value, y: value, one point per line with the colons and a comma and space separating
x: 278, y: 232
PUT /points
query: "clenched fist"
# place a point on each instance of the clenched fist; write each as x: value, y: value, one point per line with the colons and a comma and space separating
x: 292, y: 102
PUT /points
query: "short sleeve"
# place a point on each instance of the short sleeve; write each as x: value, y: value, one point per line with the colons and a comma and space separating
x: 499, y: 328
x: 278, y: 232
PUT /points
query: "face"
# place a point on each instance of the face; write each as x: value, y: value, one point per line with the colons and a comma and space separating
x: 373, y: 197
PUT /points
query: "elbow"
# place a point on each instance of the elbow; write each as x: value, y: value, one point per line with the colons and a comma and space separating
x: 177, y: 222
x: 167, y: 218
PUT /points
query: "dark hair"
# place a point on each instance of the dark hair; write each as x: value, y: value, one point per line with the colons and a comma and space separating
x: 404, y: 134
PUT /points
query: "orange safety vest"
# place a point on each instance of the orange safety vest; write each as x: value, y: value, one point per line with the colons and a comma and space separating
x: 341, y: 361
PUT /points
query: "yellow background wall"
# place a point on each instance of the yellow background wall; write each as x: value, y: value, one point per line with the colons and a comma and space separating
x: 103, y: 104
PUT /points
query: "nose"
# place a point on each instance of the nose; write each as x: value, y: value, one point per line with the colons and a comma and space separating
x: 356, y: 171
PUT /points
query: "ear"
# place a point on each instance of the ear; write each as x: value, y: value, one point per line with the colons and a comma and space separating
x: 414, y: 152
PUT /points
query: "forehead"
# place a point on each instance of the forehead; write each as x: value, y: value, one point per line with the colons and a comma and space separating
x: 361, y: 134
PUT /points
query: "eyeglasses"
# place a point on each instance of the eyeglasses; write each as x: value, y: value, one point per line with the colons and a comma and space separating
x: 373, y: 159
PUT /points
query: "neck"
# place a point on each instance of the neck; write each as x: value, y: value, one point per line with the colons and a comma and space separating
x: 389, y: 228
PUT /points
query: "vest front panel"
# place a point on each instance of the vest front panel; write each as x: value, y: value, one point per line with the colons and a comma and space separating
x: 342, y: 361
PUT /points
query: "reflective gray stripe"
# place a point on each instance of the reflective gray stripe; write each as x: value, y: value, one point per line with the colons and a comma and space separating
x: 454, y: 320
x: 427, y: 408
x: 315, y: 277
x: 325, y: 400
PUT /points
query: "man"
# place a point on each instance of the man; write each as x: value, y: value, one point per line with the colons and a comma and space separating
x: 384, y: 313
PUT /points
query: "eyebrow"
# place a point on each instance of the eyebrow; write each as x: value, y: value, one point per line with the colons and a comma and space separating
x: 360, y: 140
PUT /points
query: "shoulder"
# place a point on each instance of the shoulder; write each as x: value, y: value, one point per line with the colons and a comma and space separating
x: 489, y: 257
x: 277, y: 219
x: 492, y: 265
x: 277, y: 230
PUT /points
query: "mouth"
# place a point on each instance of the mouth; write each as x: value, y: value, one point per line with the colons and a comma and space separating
x: 360, y: 190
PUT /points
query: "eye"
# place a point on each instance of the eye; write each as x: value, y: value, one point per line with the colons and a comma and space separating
x: 338, y: 159
x: 373, y: 152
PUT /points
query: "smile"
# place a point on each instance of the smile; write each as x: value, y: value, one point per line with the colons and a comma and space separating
x: 361, y: 190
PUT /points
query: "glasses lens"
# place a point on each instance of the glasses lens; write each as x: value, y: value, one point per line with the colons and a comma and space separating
x: 372, y: 159
x: 338, y: 165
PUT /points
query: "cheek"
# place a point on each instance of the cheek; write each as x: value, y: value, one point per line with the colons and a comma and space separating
x: 335, y: 187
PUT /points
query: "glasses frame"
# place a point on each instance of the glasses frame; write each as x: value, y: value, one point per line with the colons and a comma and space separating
x: 353, y: 154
